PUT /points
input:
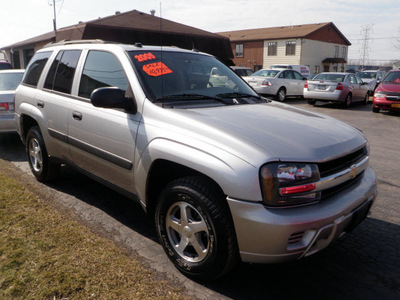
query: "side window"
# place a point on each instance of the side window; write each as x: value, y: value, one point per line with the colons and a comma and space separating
x: 289, y: 75
x: 62, y: 71
x: 352, y: 79
x: 102, y: 69
x: 359, y: 81
x: 35, y: 68
x: 297, y: 75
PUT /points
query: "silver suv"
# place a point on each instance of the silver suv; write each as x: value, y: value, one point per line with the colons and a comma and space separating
x: 227, y: 175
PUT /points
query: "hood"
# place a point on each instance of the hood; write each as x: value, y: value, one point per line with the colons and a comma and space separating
x: 389, y: 87
x: 280, y: 131
x: 368, y: 80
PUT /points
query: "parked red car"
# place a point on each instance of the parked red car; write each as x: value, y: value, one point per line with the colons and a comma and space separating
x: 387, y: 94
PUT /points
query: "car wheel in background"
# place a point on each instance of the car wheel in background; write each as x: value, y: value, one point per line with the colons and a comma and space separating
x: 195, y: 229
x: 311, y: 102
x: 347, y: 101
x: 39, y: 162
x: 375, y: 109
x: 281, y: 94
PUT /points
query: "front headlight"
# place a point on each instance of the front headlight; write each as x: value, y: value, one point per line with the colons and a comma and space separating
x: 288, y: 184
x: 379, y: 95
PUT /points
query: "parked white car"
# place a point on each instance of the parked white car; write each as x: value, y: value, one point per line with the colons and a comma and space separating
x: 344, y: 88
x: 9, y: 81
x: 280, y: 83
x: 302, y: 69
x: 372, y: 77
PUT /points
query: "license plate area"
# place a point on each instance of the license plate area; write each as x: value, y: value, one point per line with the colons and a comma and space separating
x: 321, y: 87
x: 396, y: 105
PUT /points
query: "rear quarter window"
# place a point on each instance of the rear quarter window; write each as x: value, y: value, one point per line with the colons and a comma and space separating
x: 62, y: 71
x: 35, y: 68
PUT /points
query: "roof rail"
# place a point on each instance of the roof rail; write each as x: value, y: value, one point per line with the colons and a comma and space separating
x: 72, y: 42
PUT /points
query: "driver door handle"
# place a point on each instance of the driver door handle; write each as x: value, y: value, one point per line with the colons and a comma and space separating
x: 77, y: 115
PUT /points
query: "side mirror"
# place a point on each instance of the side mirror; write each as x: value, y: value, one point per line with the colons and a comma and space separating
x: 112, y: 97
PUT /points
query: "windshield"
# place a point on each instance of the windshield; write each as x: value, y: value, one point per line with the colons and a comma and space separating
x: 183, y: 76
x: 392, y: 77
x: 329, y: 77
x: 10, y: 81
x: 367, y: 75
x: 266, y: 73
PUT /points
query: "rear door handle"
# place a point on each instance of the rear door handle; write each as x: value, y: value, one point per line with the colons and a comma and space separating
x: 77, y: 115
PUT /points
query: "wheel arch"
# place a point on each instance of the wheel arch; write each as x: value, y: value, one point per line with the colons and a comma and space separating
x: 161, y: 173
x: 26, y: 122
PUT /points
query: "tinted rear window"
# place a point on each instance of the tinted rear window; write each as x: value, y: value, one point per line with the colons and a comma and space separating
x: 62, y: 71
x: 35, y: 68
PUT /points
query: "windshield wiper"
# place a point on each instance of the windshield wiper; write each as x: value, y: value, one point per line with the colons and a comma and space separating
x: 242, y: 95
x: 178, y: 97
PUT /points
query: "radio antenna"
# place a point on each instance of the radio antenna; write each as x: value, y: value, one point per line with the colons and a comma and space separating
x: 161, y: 50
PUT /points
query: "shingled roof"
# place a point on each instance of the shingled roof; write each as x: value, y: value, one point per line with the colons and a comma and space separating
x: 282, y: 32
x: 135, y: 26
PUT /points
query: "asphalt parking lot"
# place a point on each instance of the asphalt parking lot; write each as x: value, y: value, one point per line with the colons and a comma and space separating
x: 364, y: 264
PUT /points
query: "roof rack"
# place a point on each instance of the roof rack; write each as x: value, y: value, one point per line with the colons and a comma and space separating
x: 72, y: 42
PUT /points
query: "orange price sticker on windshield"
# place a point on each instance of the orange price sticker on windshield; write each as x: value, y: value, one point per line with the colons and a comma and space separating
x: 156, y: 69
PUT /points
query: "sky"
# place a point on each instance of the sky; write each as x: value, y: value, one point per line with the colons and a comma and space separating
x: 23, y: 19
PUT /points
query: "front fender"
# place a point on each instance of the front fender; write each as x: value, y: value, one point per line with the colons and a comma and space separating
x: 237, y: 178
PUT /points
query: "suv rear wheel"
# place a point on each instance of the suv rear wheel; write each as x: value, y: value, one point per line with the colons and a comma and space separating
x: 39, y: 162
x: 195, y: 229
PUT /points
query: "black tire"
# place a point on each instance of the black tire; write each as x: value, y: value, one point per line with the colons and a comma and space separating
x: 347, y: 101
x: 39, y: 162
x: 281, y: 94
x: 311, y: 102
x: 201, y: 242
x: 375, y: 109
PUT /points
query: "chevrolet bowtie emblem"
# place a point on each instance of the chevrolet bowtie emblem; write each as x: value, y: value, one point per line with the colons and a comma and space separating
x: 353, y: 171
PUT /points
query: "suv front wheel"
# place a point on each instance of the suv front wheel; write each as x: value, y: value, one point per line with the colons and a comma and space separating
x: 195, y: 228
x: 39, y: 162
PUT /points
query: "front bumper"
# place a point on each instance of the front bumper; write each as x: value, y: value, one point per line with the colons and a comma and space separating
x: 386, y: 104
x: 268, y: 235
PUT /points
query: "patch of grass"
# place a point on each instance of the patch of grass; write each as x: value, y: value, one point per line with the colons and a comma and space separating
x: 46, y: 255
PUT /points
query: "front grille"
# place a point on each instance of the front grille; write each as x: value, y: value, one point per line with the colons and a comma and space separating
x: 336, y: 189
x: 392, y: 96
x: 336, y: 165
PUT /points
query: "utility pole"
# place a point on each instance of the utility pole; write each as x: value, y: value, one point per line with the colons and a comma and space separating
x: 54, y: 17
x: 365, y: 32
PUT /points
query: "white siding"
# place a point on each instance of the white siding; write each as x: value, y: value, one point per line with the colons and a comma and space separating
x: 281, y: 57
x: 314, y: 52
x: 308, y: 52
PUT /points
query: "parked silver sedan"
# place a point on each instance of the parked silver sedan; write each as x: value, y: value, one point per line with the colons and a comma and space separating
x: 9, y: 81
x: 344, y: 88
x: 280, y: 83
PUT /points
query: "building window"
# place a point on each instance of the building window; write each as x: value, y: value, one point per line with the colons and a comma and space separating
x: 290, y: 48
x: 344, y: 52
x: 316, y: 69
x: 239, y: 50
x: 336, y: 51
x: 272, y: 48
x: 334, y: 68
